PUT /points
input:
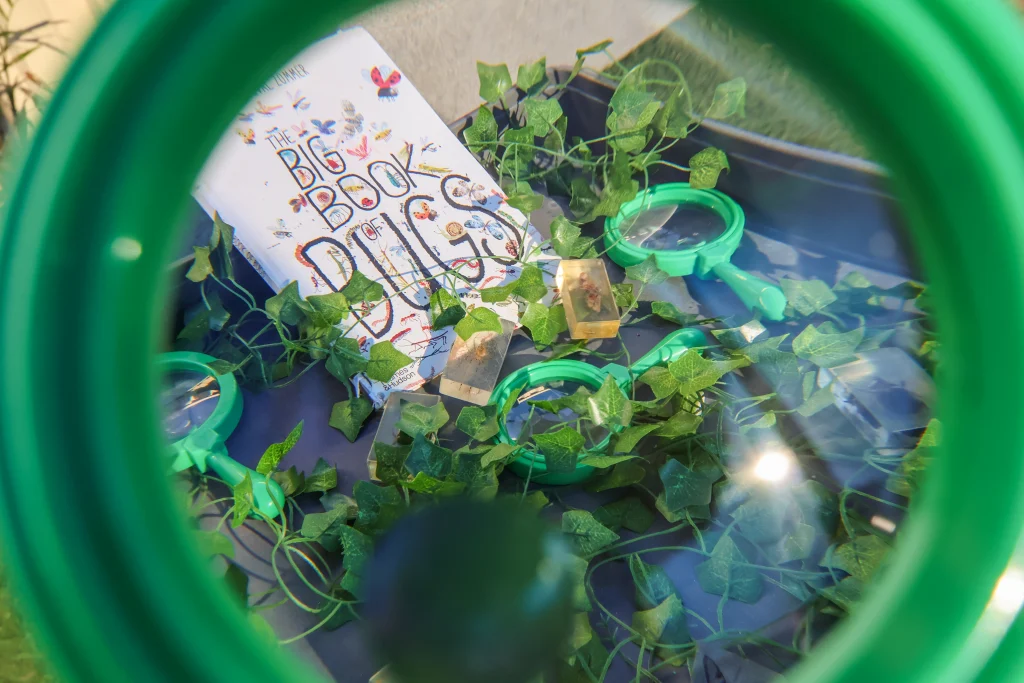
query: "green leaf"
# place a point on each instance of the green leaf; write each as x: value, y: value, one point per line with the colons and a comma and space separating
x: 358, y: 547
x: 238, y: 583
x: 345, y: 360
x: 567, y: 241
x: 725, y: 573
x: 429, y: 458
x: 739, y: 337
x: 766, y: 421
x: 582, y: 633
x: 577, y: 568
x: 291, y: 481
x: 827, y: 350
x: 201, y: 266
x: 481, y: 482
x: 276, y: 452
x: 424, y: 483
x: 578, y: 402
x: 619, y: 188
x: 446, y: 309
x: 695, y: 373
x: 323, y: 478
x: 541, y: 115
x: 584, y: 200
x: 653, y: 586
x: 597, y: 48
x: 859, y: 558
x: 536, y: 500
x: 497, y: 454
x: 212, y: 543
x: 671, y: 312
x: 495, y: 81
x: 603, y: 462
x: 288, y: 307
x: 478, y: 423
x: 544, y: 323
x: 349, y: 416
x: 624, y: 474
x: 360, y: 288
x: 529, y: 286
x: 629, y: 512
x: 379, y: 507
x: 661, y: 381
x: 328, y: 309
x: 533, y: 77
x: 816, y: 402
x: 705, y: 167
x: 586, y: 535
x: 479, y: 319
x: 219, y: 315
x: 797, y: 544
x: 763, y: 518
x: 560, y: 449
x: 483, y: 134
x: 664, y: 624
x: 682, y: 423
x: 221, y: 243
x: 610, y: 405
x: 390, y: 461
x: 243, y: 501
x: 627, y: 439
x: 522, y: 197
x: 846, y: 593
x: 730, y: 99
x: 324, y: 527
x: 807, y: 297
x: 905, y: 480
x: 385, y: 361
x: 419, y: 420
x: 560, y: 351
x: 684, y: 487
x: 624, y: 295
x: 647, y: 272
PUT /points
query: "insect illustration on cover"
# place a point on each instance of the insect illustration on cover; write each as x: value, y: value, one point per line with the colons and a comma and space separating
x: 425, y: 212
x: 381, y: 132
x: 476, y: 191
x: 298, y: 203
x: 427, y: 146
x: 246, y: 117
x: 298, y: 101
x: 439, y: 170
x: 335, y: 253
x: 265, y: 110
x: 386, y: 79
x: 453, y: 231
x: 248, y: 136
x: 324, y: 127
x: 360, y: 151
x: 301, y: 130
x: 394, y: 179
x: 353, y: 121
x: 279, y: 229
x: 302, y: 259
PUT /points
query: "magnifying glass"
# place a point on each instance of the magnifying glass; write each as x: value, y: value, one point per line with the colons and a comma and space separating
x: 201, y: 409
x: 689, y: 231
x: 549, y: 381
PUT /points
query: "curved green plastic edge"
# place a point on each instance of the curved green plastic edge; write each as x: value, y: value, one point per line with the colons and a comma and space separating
x: 537, y: 374
x: 204, y: 446
x: 708, y: 259
x: 113, y: 584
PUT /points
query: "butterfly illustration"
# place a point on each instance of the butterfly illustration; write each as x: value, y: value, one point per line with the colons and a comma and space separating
x: 425, y: 212
x: 298, y: 101
x: 265, y: 110
x: 246, y: 117
x: 353, y: 120
x: 382, y: 132
x: 249, y: 136
x: 385, y: 78
x: 325, y: 127
x: 298, y: 203
x: 301, y: 130
x: 476, y: 191
x: 362, y: 151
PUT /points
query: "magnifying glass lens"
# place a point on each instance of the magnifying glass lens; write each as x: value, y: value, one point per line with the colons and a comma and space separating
x: 520, y: 423
x: 674, y: 227
x: 188, y: 399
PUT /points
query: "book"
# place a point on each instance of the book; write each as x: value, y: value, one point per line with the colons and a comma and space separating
x: 338, y: 165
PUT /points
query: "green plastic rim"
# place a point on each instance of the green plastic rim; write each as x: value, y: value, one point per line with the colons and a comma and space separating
x: 114, y: 584
x: 680, y: 262
x: 225, y: 416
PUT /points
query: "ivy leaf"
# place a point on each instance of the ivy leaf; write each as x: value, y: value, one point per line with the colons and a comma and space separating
x: 705, y: 167
x: 323, y: 479
x: 610, y: 405
x: 483, y: 134
x: 201, y: 266
x: 478, y: 423
x: 766, y: 421
x: 603, y: 462
x: 630, y: 437
x: 348, y: 416
x: 661, y: 381
x: 797, y: 544
x: 345, y: 360
x: 545, y: 324
x: 529, y: 286
x: 904, y: 481
x: 653, y: 586
x: 583, y: 200
x: 213, y: 543
x: 675, y: 118
x: 536, y: 500
x: 276, y: 452
x: 495, y: 81
x: 541, y: 115
x: 379, y: 506
x: 846, y: 593
x: 597, y: 48
x: 582, y: 632
x: 446, y: 309
x: 739, y: 337
x: 428, y: 457
x: 763, y: 518
x: 479, y: 319
x: 328, y: 309
x: 323, y: 527
x: 578, y: 402
x: 577, y: 568
x: 725, y: 573
x: 695, y: 373
x: 385, y: 361
x: 567, y: 241
x: 586, y: 535
x: 361, y: 288
x: 859, y: 558
x: 522, y: 197
x: 629, y: 513
x: 680, y: 424
x: 648, y: 272
x: 418, y: 420
x: 684, y: 487
x: 827, y: 350
x: 560, y: 449
x: 533, y: 77
x: 498, y: 454
x: 619, y: 188
x: 807, y: 297
x: 390, y: 461
x: 816, y: 402
x: 730, y: 100
x: 624, y: 474
x: 424, y: 483
x: 666, y: 625
x: 243, y: 501
x: 288, y: 307
x: 291, y: 481
x: 624, y: 295
x: 481, y: 481
x: 238, y: 583
x: 221, y: 243
x: 671, y: 312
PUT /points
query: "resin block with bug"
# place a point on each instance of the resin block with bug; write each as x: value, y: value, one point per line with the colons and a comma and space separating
x: 387, y: 431
x: 475, y: 363
x: 590, y: 308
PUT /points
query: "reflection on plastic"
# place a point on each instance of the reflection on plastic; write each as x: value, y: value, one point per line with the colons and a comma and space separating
x: 1008, y: 596
x: 773, y: 466
x: 188, y: 399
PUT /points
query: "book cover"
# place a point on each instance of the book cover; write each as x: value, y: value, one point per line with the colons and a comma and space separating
x: 339, y: 165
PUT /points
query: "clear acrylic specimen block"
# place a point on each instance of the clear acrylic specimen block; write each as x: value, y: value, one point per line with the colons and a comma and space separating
x: 590, y: 308
x: 387, y: 431
x: 474, y: 365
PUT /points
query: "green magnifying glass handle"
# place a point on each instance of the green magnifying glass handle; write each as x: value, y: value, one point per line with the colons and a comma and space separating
x: 753, y: 291
x: 668, y: 349
x: 268, y: 497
